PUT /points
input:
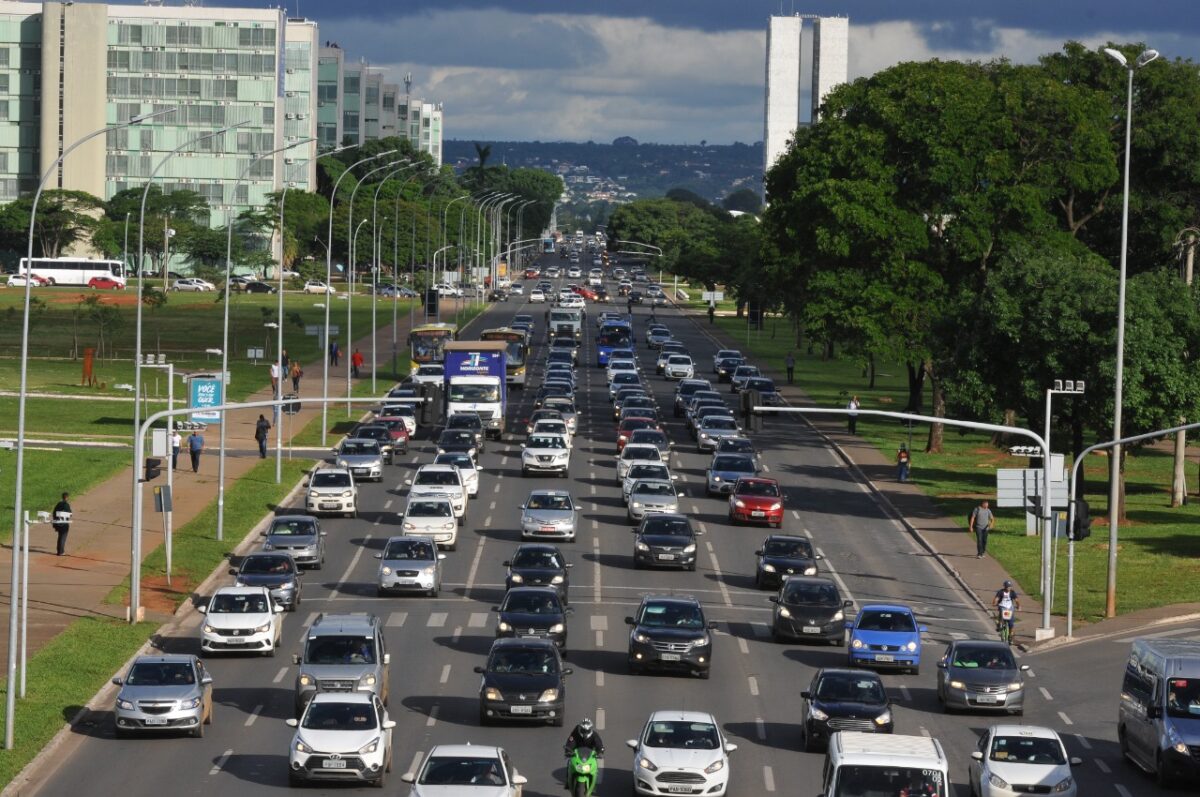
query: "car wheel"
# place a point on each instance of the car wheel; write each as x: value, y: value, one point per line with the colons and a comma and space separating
x: 810, y: 746
x: 703, y: 674
x: 838, y: 641
x: 379, y: 781
x: 524, y: 471
x: 484, y: 720
x: 557, y: 722
x: 198, y: 731
x: 915, y: 670
x: 692, y: 567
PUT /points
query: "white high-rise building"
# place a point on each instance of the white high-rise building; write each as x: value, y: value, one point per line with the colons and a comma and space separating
x: 830, y: 68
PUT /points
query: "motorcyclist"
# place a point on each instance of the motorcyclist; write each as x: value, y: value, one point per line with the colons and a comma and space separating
x: 584, y: 735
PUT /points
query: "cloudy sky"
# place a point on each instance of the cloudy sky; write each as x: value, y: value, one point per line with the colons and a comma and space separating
x: 684, y: 70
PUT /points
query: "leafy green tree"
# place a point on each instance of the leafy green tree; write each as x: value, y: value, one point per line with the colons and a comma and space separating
x: 64, y: 218
x: 745, y: 200
x: 182, y: 211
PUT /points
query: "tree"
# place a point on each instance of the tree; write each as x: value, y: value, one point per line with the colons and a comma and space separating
x: 483, y: 152
x: 744, y: 199
x: 64, y: 218
x: 179, y: 210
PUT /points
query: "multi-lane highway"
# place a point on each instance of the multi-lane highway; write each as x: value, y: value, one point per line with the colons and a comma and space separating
x: 755, y: 684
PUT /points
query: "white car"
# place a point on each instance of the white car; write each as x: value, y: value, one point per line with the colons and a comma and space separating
x: 440, y: 481
x: 636, y: 453
x: 679, y: 366
x: 546, y: 453
x: 572, y: 302
x: 341, y: 736
x: 617, y: 366
x: 18, y: 281
x: 681, y: 747
x: 332, y: 491
x: 1013, y: 760
x: 241, y: 619
x: 465, y: 770
x: 317, y: 286
x: 574, y: 272
x: 552, y: 426
x: 431, y: 517
x: 517, y: 289
x: 537, y: 296
x: 430, y: 374
x: 644, y: 470
x: 467, y: 468
x: 193, y: 284
x: 446, y: 289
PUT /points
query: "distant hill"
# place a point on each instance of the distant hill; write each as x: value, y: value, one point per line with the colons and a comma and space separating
x: 626, y: 170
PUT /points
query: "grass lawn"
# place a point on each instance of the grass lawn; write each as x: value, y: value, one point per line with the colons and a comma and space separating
x: 63, y: 676
x: 1159, y: 554
x: 49, y: 473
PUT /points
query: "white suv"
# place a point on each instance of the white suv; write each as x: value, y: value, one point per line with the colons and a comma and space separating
x: 341, y: 736
x: 546, y: 452
x: 681, y: 747
x: 440, y: 481
x: 241, y: 618
x: 332, y: 491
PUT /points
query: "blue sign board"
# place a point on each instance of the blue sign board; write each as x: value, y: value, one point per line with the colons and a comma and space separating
x: 204, y: 393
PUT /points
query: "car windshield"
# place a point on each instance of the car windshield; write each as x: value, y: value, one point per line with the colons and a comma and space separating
x: 653, y: 488
x: 458, y: 460
x: 547, y: 441
x: 463, y: 421
x: 900, y: 622
x: 461, y: 392
x: 552, y: 427
x: 160, y: 673
x: 457, y: 436
x: 789, y: 548
x: 983, y: 658
x: 672, y: 615
x: 850, y: 688
x: 225, y: 603
x: 715, y: 423
x: 651, y: 437
x: 746, y: 370
x: 443, y: 478
x: 549, y: 501
x: 340, y: 650
x: 634, y: 421
x: 881, y: 780
x: 531, y: 603
x: 530, y: 660
x: 625, y: 378
x: 409, y: 550
x: 683, y: 735
x: 736, y: 445
x: 810, y: 594
x: 647, y: 471
x: 429, y: 509
x: 614, y: 338
x: 1183, y: 697
x: 1027, y: 750
x: 462, y: 772
x: 640, y: 452
x: 679, y: 359
x: 537, y: 557
x: 562, y: 405
x: 671, y: 526
x: 637, y: 402
x: 431, y: 370
x: 330, y: 479
x: 340, y: 717
x: 761, y: 385
x: 273, y: 565
x: 763, y: 489
x: 734, y: 463
x: 293, y: 528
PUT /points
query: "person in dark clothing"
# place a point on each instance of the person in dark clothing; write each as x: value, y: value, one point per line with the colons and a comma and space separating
x: 334, y: 353
x: 284, y: 361
x: 584, y: 735
x: 260, y: 434
x: 195, y: 446
x: 789, y: 363
x: 62, y: 523
x: 712, y: 312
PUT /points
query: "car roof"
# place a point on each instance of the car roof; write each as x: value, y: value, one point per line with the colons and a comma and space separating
x: 293, y: 517
x: 538, y: 546
x: 343, y: 697
x: 886, y: 607
x: 240, y: 591
x: 752, y: 479
x: 333, y: 469
x: 679, y: 715
x: 986, y: 644
x: 348, y: 622
x: 464, y: 751
x: 688, y: 600
x: 1036, y: 731
x: 549, y: 492
x: 849, y: 673
x: 408, y: 538
x: 435, y: 467
x: 533, y: 591
x: 523, y: 642
x: 166, y: 658
x: 785, y: 538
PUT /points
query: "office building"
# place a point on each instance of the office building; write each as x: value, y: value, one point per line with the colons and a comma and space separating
x: 330, y: 72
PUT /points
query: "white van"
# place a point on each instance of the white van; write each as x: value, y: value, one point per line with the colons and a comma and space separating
x: 873, y: 763
x: 1158, y: 722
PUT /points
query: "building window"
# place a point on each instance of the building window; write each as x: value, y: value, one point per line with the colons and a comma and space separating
x: 3, y: 161
x: 4, y: 57
x: 4, y: 110
x: 351, y: 84
x: 3, y: 84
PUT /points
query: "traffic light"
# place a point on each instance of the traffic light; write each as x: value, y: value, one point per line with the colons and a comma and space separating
x: 153, y: 468
x: 1081, y: 529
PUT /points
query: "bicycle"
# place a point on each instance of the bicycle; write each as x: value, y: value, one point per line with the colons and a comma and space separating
x: 1004, y: 624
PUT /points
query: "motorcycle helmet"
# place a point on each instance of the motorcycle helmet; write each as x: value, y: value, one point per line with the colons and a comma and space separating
x: 585, y: 728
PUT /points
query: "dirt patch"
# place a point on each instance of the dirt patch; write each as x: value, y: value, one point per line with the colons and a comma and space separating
x: 115, y: 298
x: 158, y: 597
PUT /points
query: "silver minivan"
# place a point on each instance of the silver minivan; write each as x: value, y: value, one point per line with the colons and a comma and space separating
x: 1158, y: 723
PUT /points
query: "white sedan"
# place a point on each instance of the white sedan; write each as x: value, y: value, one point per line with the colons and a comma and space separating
x: 681, y: 747
x: 193, y: 284
x: 316, y: 286
x: 537, y: 296
x: 1012, y: 760
x: 241, y: 619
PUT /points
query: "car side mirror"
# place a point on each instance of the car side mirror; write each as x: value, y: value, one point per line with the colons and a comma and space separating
x: 632, y: 744
x: 941, y: 665
x: 522, y: 445
x: 819, y: 556
x: 1076, y: 761
x: 389, y: 724
x: 333, y: 451
x: 730, y: 747
x: 479, y: 670
x: 1024, y: 668
x: 233, y: 571
x: 628, y: 621
x: 408, y: 777
x: 387, y: 658
x: 495, y: 608
x: 758, y: 552
x: 977, y: 755
x: 277, y: 609
x: 295, y: 658
x: 206, y: 680
x: 507, y: 563
x: 806, y: 695
x: 263, y: 533
x: 712, y: 625
x: 202, y: 609
x: 674, y: 477
x: 680, y: 495
x: 292, y: 722
x: 847, y: 604
x: 116, y: 681
x: 922, y: 628
x: 378, y: 556
x: 568, y: 565
x: 408, y: 482
x: 699, y: 532
x: 850, y: 625
x: 441, y: 556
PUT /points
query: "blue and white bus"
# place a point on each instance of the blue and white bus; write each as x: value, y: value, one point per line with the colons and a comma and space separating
x: 548, y: 245
x: 613, y: 335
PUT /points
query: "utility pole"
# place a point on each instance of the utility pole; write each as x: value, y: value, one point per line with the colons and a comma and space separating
x: 1186, y: 240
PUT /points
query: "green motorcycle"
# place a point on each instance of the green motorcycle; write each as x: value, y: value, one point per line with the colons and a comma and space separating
x: 583, y: 768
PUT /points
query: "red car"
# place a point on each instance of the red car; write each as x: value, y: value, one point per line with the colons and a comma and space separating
x: 399, y: 431
x: 629, y: 426
x: 105, y: 284
x: 756, y: 500
x: 586, y: 293
x: 532, y: 273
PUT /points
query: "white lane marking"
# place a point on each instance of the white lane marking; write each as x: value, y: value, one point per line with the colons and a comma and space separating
x: 1065, y: 719
x: 599, y: 719
x: 1046, y: 693
x: 349, y: 569
x: 768, y: 779
x: 760, y: 728
x: 456, y: 633
x: 397, y: 619
x: 760, y: 629
x: 1102, y: 766
x: 432, y: 720
x: 279, y: 675
x: 436, y: 620
x: 496, y: 489
x: 376, y: 523
x: 253, y: 715
x: 703, y: 527
x: 445, y: 674
x: 1083, y: 741
x: 766, y: 468
x: 1121, y: 790
x: 487, y: 521
x: 796, y: 515
x: 959, y: 635
x: 477, y: 620
x: 753, y: 683
x: 599, y: 639
x: 220, y: 762
x: 599, y: 678
x: 808, y: 534
x: 846, y: 593
x: 596, y: 575
x: 904, y: 692
x: 925, y: 732
x: 599, y: 622
x: 492, y: 506
x: 743, y: 647
x: 595, y: 524
x: 474, y: 568
x: 716, y: 565
x: 387, y: 504
x: 593, y: 488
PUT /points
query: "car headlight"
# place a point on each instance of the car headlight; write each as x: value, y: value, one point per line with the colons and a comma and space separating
x: 1013, y: 687
x: 504, y: 626
x: 306, y: 680
x: 883, y: 719
x: 370, y: 747
x: 193, y: 703
x: 1064, y: 784
x: 647, y: 764
x: 818, y: 714
x: 124, y: 705
x: 448, y: 525
x: 208, y: 629
x: 910, y: 647
x: 783, y: 612
x: 691, y: 548
x: 516, y: 578
x: 441, y: 450
x: 341, y: 463
x: 492, y: 693
x: 768, y: 568
x: 557, y: 628
x: 838, y: 616
x: 287, y: 586
x: 348, y: 494
x: 636, y: 505
x: 264, y: 628
x: 557, y: 580
x: 641, y: 546
x: 638, y: 636
x: 810, y: 571
x: 301, y: 747
x: 856, y: 643
x: 429, y: 571
x: 715, y: 766
x: 548, y: 696
x: 997, y: 781
x: 387, y: 571
x: 957, y: 685
x: 702, y: 641
x: 775, y: 507
x: 368, y: 679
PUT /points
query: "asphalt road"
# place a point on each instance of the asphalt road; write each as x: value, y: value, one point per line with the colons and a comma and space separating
x: 755, y: 685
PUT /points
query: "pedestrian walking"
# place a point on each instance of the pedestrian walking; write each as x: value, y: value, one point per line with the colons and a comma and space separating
x: 296, y: 373
x: 790, y: 363
x: 712, y: 312
x: 334, y: 353
x: 62, y: 523
x: 284, y: 362
x: 852, y: 414
x: 983, y: 520
x: 195, y: 447
x: 903, y: 462
x: 261, y: 428
x: 629, y: 305
x: 275, y: 379
x: 356, y: 362
x: 176, y: 444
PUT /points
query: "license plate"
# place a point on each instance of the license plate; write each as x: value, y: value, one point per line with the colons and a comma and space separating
x: 406, y: 581
x: 987, y: 699
x: 679, y: 789
x: 522, y: 709
x: 329, y: 506
x: 235, y: 641
x: 883, y: 657
x: 545, y: 528
x: 812, y: 629
x: 155, y: 721
x: 757, y: 513
x: 670, y: 657
x: 334, y: 764
x: 666, y: 557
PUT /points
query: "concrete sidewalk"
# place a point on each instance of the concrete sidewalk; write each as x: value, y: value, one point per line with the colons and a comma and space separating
x: 99, y: 546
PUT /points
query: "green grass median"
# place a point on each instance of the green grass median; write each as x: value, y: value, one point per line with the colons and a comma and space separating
x: 49, y: 473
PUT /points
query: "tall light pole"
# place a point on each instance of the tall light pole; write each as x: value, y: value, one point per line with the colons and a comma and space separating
x: 1114, y: 486
x: 377, y: 245
x: 18, y: 509
x: 477, y: 257
x: 396, y: 269
x: 329, y: 283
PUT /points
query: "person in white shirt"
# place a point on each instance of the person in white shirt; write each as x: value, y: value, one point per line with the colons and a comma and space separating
x: 852, y: 416
x: 274, y: 379
x: 176, y: 444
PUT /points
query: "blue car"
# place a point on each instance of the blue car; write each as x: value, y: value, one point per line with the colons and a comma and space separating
x: 885, y: 636
x: 724, y: 471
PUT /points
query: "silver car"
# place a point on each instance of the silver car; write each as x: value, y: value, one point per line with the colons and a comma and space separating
x: 298, y: 535
x: 362, y: 457
x: 164, y: 693
x: 566, y: 407
x: 652, y: 497
x: 653, y: 471
x: 410, y: 564
x: 548, y: 514
x: 713, y: 428
x: 635, y: 453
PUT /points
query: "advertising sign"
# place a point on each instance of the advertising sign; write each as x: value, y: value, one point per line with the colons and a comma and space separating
x: 204, y: 393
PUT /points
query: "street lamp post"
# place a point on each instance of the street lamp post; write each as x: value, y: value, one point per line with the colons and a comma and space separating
x: 377, y: 247
x: 279, y: 339
x: 1114, y: 490
x: 1069, y: 388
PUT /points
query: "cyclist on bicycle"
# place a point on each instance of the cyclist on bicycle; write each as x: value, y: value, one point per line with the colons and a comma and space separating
x: 1006, y: 599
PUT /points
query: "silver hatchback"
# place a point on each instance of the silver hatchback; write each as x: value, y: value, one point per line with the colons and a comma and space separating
x: 164, y: 693
x: 548, y: 514
x: 298, y: 535
x: 652, y: 496
x: 362, y: 457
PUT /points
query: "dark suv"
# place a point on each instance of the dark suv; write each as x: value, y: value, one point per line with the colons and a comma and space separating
x: 670, y: 632
x: 523, y: 680
x: 665, y: 540
x: 843, y: 700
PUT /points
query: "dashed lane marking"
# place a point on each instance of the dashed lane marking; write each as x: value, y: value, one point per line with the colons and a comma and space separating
x: 492, y: 506
x: 470, y: 584
x: 1046, y: 693
x: 445, y: 674
x: 253, y: 715
x: 396, y: 619
x: 1121, y: 790
x: 387, y: 504
x: 220, y: 762
x: 760, y: 728
x: 415, y: 762
x: 1083, y: 742
x: 599, y: 678
x: 599, y: 622
x: 279, y: 675
x: 1065, y: 719
x: 477, y: 620
x: 599, y: 719
x: 768, y: 779
x: 349, y: 569
x: 1103, y: 766
x: 436, y: 620
x: 432, y: 720
x: 904, y: 691
x: 753, y: 683
x: 743, y: 647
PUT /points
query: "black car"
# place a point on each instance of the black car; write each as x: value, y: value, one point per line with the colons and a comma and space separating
x: 809, y: 607
x: 257, y: 286
x: 457, y: 441
x: 684, y: 391
x: 670, y: 632
x: 665, y: 540
x: 275, y: 571
x: 601, y: 293
x: 533, y: 612
x: 783, y: 555
x: 547, y: 391
x: 539, y: 565
x: 469, y: 421
x: 843, y: 700
x: 638, y: 401
x: 523, y: 680
x: 635, y: 297
x: 564, y: 356
x: 380, y: 434
x: 766, y: 389
x: 726, y: 366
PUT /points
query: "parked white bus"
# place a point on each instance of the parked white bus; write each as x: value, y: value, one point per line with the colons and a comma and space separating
x: 74, y: 270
